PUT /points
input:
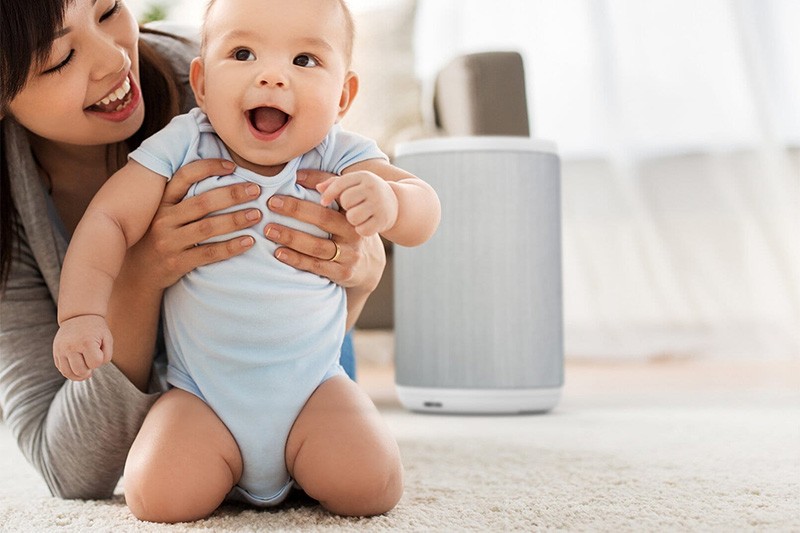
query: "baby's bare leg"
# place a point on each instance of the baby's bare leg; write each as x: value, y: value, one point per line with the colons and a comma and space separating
x: 183, y: 462
x: 342, y: 453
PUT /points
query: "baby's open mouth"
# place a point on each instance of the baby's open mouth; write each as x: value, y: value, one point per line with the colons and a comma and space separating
x: 268, y: 119
x: 115, y: 100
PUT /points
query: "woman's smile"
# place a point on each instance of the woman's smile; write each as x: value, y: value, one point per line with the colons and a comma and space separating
x: 120, y: 103
x: 116, y: 95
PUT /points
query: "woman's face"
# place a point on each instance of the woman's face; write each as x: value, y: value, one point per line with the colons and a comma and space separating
x: 87, y: 90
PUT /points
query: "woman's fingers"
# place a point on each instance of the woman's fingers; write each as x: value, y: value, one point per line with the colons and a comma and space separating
x: 205, y: 254
x: 299, y: 241
x: 323, y: 217
x: 197, y: 207
x: 169, y: 249
x: 214, y: 226
x: 191, y: 173
x: 309, y: 178
x: 339, y: 273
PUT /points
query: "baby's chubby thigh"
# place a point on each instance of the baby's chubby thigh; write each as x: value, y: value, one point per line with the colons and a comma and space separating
x: 341, y: 452
x: 183, y: 462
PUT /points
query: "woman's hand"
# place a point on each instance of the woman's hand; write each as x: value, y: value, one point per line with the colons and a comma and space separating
x: 169, y: 249
x: 361, y: 260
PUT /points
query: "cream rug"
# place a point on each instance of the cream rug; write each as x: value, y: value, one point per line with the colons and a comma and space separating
x: 669, y: 446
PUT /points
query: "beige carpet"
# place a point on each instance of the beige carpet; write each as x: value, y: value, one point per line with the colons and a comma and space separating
x: 662, y: 446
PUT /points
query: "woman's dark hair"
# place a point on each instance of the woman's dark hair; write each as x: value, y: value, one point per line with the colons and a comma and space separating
x: 27, y: 31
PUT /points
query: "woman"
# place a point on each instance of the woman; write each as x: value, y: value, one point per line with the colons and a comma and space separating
x: 63, y: 65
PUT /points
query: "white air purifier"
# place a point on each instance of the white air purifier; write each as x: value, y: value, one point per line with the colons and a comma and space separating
x: 478, y: 308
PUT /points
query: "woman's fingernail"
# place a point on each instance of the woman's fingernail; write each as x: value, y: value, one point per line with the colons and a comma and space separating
x: 275, y: 202
x: 253, y: 214
x: 272, y: 234
x: 280, y: 255
x: 253, y: 189
x: 228, y: 164
x: 246, y: 242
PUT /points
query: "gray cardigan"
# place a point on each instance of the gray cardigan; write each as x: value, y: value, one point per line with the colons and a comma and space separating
x: 76, y: 434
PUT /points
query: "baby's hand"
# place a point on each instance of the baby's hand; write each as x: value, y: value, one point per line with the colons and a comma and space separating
x: 370, y: 203
x: 82, y: 344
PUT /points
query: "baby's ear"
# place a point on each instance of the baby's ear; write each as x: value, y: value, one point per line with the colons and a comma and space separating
x: 349, y: 92
x: 197, y: 79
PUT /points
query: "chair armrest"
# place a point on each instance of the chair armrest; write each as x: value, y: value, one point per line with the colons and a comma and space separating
x: 482, y: 94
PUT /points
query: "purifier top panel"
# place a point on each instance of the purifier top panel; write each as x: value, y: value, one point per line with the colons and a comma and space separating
x: 477, y: 144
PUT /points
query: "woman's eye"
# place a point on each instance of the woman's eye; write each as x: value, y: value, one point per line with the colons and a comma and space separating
x: 111, y: 12
x: 305, y: 60
x: 60, y: 66
x: 244, y: 55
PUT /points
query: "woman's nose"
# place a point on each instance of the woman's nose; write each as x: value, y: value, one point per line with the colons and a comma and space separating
x: 111, y: 58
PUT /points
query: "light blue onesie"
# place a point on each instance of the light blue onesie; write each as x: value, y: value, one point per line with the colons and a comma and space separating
x: 251, y: 336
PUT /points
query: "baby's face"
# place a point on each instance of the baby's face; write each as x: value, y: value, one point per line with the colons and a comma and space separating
x: 273, y: 78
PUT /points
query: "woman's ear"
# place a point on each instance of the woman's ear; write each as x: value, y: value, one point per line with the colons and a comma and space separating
x: 349, y: 92
x: 197, y: 79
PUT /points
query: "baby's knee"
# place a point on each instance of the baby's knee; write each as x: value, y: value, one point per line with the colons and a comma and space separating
x: 384, y: 489
x: 144, y: 497
x: 155, y: 499
x: 162, y: 495
x: 371, y: 490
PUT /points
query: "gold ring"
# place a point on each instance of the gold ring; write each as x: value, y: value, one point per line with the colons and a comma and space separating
x: 338, y: 251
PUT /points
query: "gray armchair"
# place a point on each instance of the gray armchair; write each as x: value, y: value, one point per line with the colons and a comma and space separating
x: 482, y: 94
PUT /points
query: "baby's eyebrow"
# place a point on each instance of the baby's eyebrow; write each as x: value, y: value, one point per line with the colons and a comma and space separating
x: 238, y: 34
x: 316, y: 41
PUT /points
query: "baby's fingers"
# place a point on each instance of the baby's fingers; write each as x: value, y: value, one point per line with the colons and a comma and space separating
x: 332, y: 188
x: 95, y: 356
x: 76, y: 367
x: 322, y: 187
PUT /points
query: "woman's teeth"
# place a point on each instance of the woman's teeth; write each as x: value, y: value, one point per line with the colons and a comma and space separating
x: 119, y: 94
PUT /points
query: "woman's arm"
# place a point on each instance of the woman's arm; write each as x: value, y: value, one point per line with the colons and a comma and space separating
x: 76, y: 435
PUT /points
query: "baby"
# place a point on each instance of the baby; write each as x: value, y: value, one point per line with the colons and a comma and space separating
x: 251, y: 337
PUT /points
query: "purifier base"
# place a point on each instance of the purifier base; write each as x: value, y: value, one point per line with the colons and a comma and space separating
x: 478, y: 401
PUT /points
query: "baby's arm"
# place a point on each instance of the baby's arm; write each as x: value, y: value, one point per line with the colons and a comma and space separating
x: 381, y: 198
x: 115, y: 220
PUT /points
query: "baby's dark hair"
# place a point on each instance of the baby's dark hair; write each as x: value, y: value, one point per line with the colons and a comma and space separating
x: 350, y: 29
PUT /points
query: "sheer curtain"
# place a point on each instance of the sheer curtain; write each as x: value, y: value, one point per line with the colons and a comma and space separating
x: 678, y: 123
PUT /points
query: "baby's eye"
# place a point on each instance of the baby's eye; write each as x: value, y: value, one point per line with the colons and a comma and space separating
x: 305, y: 60
x: 244, y: 54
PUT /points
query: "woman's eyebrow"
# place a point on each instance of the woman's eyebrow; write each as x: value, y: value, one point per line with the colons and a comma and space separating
x: 62, y: 32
